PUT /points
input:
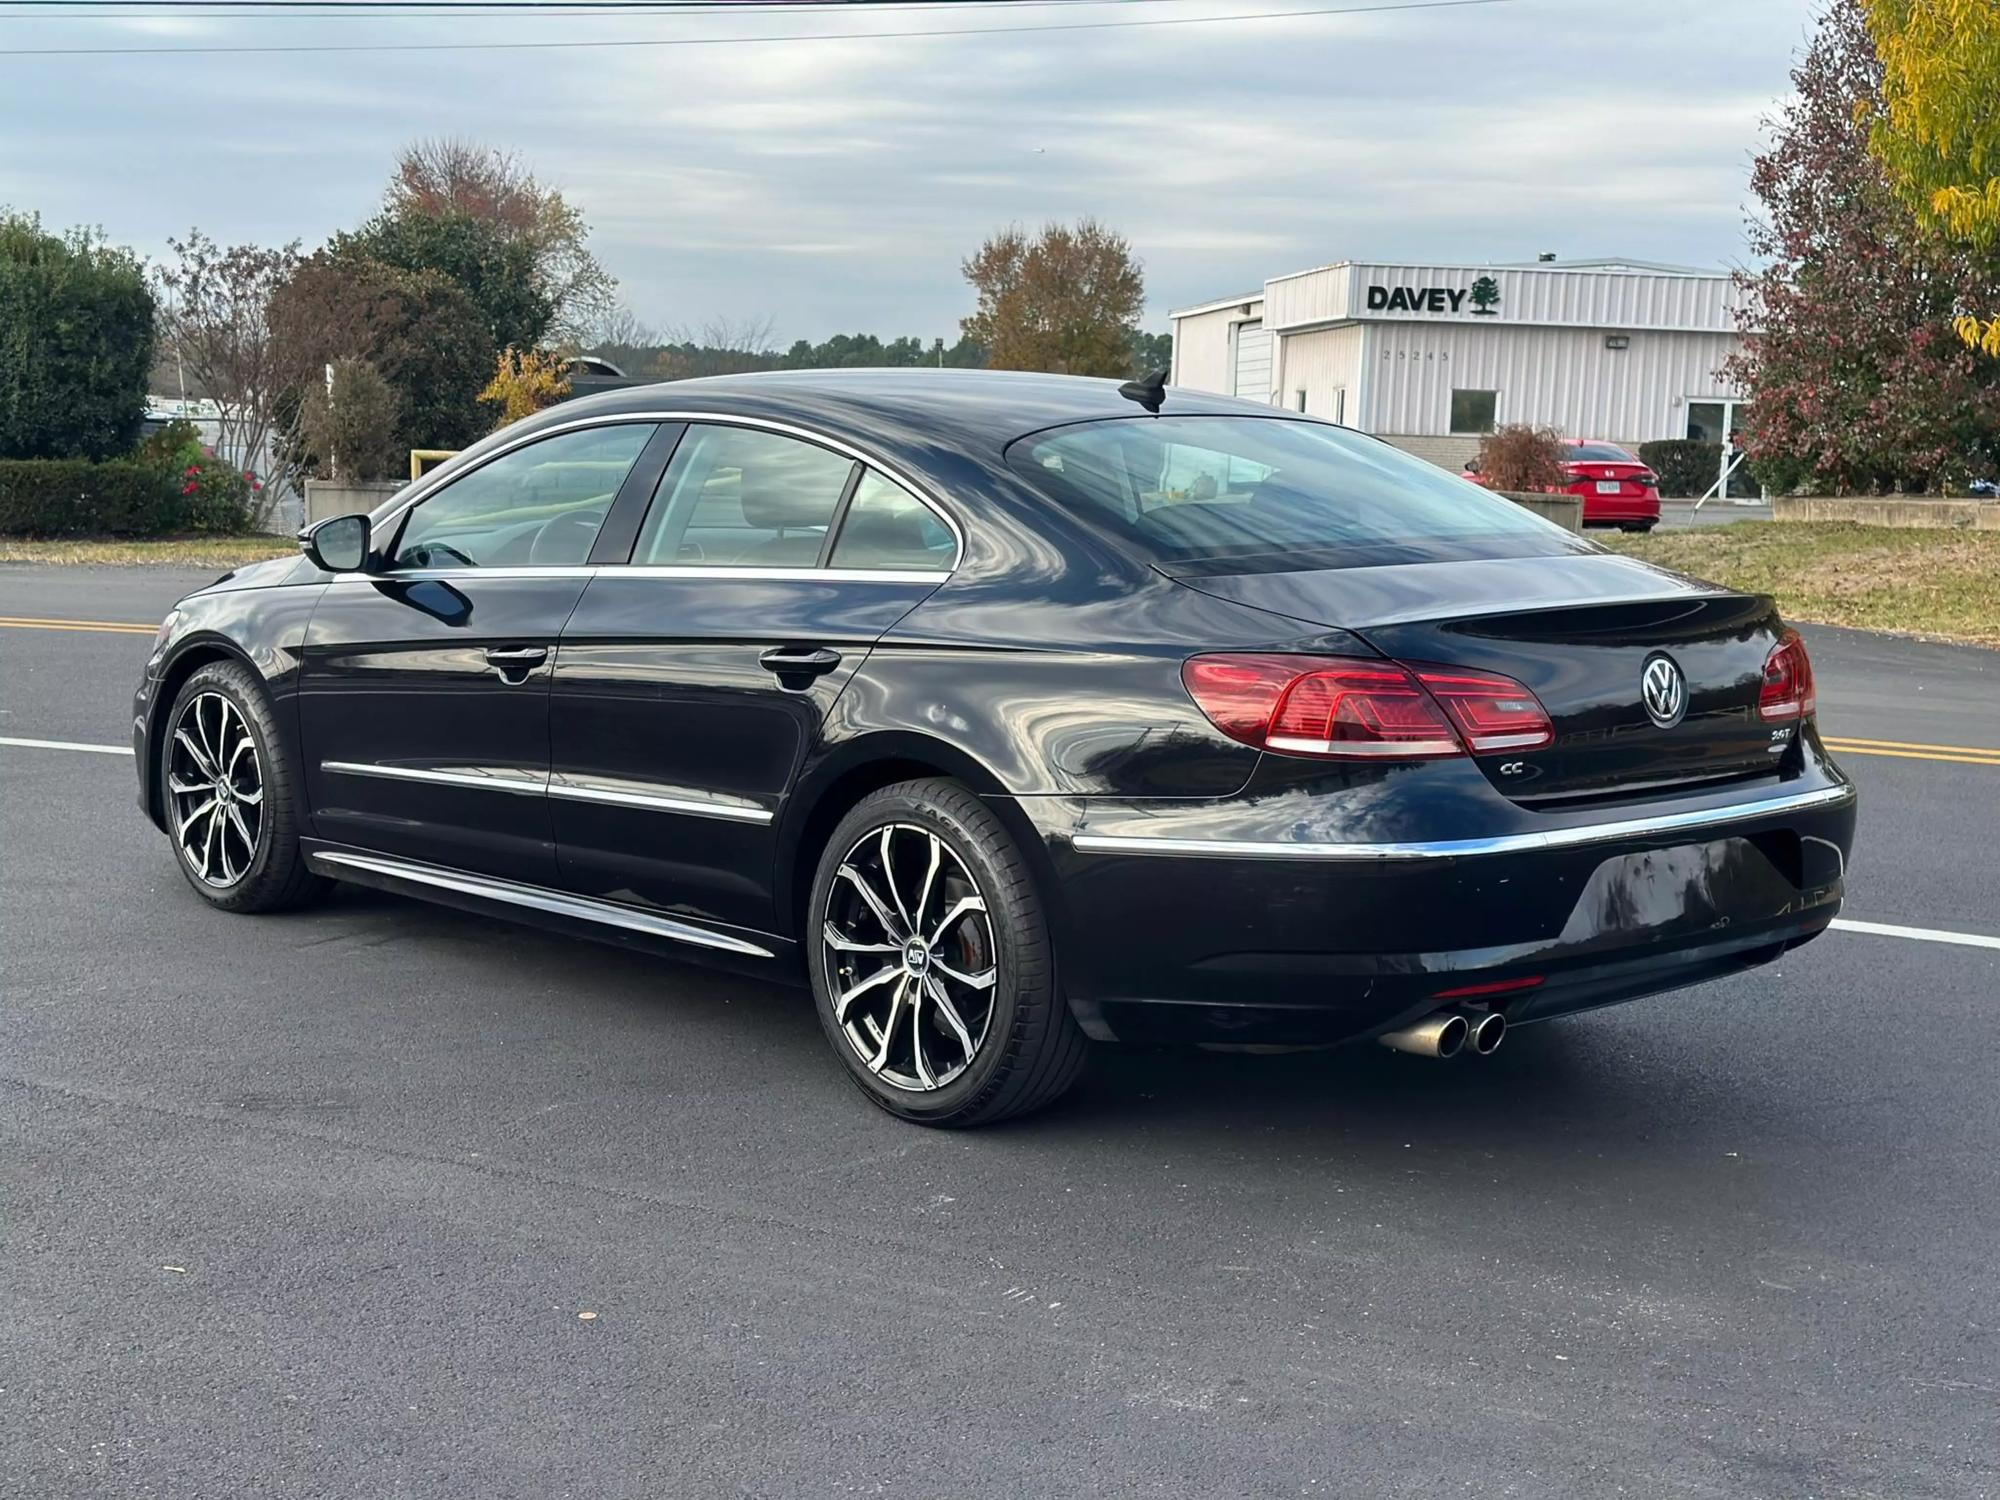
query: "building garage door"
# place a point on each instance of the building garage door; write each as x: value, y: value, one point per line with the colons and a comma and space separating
x: 1253, y: 363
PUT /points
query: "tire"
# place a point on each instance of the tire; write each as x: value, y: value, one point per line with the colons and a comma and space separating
x: 1640, y: 528
x: 1026, y: 1048
x: 242, y: 854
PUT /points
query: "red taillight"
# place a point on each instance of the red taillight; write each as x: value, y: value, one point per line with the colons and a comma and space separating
x: 1787, y: 692
x: 1341, y: 707
x: 1492, y: 713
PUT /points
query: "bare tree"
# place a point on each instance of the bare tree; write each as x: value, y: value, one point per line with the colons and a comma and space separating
x: 447, y: 175
x: 618, y: 327
x: 215, y: 321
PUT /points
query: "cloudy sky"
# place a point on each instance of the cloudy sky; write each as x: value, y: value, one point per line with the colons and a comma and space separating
x: 832, y: 185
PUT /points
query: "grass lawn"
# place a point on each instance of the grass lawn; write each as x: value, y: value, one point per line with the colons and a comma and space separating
x: 1943, y: 584
x: 185, y: 552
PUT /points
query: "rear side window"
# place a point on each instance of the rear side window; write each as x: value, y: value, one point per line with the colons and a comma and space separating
x: 886, y: 528
x: 1254, y: 494
x: 737, y: 497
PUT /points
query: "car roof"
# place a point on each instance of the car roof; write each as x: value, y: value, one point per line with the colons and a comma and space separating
x: 977, y: 410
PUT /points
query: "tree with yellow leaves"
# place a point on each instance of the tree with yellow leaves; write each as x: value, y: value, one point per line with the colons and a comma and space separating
x: 1940, y: 131
x: 525, y: 383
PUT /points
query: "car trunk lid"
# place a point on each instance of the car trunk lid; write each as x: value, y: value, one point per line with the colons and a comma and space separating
x: 1579, y: 632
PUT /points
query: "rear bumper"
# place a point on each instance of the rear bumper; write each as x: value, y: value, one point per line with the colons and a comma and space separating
x: 1171, y: 929
x: 1618, y: 509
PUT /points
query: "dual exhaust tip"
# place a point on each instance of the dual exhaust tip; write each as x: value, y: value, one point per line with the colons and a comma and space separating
x: 1446, y: 1033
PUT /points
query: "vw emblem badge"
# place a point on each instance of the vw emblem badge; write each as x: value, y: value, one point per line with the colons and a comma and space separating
x: 1664, y: 689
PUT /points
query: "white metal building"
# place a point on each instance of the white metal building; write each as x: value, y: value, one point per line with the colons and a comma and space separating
x: 1431, y: 357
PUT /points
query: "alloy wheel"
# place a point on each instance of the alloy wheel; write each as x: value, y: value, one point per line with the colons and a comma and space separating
x: 909, y: 957
x: 215, y: 789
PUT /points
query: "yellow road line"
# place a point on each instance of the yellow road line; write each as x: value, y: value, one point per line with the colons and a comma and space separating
x: 1855, y: 739
x: 1975, y: 759
x: 110, y: 627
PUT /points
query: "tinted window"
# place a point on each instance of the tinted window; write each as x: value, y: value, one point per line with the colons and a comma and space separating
x: 540, y: 505
x: 1473, y: 411
x: 1247, y: 493
x: 1599, y: 453
x: 735, y: 497
x: 888, y: 527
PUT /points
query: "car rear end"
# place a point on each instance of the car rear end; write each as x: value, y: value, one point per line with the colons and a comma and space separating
x: 1500, y: 771
x: 1616, y: 488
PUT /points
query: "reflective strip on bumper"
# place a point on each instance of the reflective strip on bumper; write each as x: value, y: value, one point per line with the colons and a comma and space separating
x: 1508, y: 843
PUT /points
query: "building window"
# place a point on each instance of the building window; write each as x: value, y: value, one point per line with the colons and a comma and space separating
x: 1299, y: 400
x: 1473, y: 411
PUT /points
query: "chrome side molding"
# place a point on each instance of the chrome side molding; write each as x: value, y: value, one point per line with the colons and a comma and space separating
x: 535, y: 898
x: 529, y: 783
x: 695, y: 804
x: 1510, y: 843
x: 484, y: 778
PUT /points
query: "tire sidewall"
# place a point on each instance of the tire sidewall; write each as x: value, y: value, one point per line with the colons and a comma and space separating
x: 1020, y: 941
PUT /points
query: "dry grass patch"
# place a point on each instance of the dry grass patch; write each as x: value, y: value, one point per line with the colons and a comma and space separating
x: 176, y: 552
x: 1937, y: 583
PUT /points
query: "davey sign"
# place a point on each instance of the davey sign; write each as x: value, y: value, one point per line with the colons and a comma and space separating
x: 1483, y: 294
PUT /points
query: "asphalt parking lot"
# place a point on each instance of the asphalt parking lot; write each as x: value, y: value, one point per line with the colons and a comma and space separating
x: 384, y: 1199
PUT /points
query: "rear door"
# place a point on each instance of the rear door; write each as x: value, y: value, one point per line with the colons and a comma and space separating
x: 691, y: 681
x: 424, y: 693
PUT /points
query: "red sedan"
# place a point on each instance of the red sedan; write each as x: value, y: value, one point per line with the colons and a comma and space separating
x: 1615, y: 487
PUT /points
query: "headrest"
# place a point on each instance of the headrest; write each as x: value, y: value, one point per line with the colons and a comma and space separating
x: 779, y: 496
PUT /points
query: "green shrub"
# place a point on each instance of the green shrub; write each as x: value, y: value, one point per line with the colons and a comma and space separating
x: 76, y: 343
x: 1686, y: 468
x: 171, y: 443
x: 122, y: 497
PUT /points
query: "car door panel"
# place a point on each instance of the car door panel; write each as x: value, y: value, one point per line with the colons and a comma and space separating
x: 416, y: 744
x: 673, y: 746
x: 424, y: 695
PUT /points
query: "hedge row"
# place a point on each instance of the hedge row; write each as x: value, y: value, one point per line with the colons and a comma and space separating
x: 125, y: 497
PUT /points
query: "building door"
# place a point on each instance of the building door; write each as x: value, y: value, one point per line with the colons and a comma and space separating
x: 1718, y: 422
x: 1252, y: 375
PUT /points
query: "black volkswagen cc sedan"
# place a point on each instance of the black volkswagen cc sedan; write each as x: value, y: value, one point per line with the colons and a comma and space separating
x: 1015, y: 712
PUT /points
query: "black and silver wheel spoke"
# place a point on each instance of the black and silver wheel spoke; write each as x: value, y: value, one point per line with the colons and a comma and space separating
x: 912, y: 994
x: 215, y: 787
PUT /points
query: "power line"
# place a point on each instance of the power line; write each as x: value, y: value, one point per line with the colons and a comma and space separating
x: 328, y: 10
x: 728, y: 41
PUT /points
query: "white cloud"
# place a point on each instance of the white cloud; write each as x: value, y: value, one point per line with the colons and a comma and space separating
x: 838, y: 185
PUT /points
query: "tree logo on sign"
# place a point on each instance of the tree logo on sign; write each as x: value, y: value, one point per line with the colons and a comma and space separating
x: 1485, y: 297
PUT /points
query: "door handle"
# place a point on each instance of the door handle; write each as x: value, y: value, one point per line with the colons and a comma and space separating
x: 790, y: 663
x: 517, y: 656
x: 515, y: 663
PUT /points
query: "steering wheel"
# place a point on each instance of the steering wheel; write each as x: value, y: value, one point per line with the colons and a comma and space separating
x: 566, y: 539
x: 435, y: 553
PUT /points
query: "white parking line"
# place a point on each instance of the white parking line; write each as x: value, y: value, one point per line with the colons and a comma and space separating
x: 66, y: 745
x: 1918, y: 934
x: 1842, y: 924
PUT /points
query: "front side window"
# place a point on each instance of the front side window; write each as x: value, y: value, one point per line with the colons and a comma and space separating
x: 1251, y: 494
x: 540, y: 505
x: 738, y: 497
x: 1474, y: 411
x: 886, y: 528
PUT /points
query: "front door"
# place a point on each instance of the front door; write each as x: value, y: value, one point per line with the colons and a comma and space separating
x: 691, y: 683
x: 424, y: 693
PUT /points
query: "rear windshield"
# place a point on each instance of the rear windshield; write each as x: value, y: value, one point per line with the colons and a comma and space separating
x: 1259, y: 494
x: 1599, y: 453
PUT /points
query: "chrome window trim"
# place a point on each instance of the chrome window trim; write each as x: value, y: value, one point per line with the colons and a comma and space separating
x: 1512, y: 843
x: 574, y: 789
x: 494, y: 779
x: 556, y: 903
x: 447, y: 473
x: 655, y: 570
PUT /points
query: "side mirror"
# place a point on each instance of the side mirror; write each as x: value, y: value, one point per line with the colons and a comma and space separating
x: 338, y: 545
